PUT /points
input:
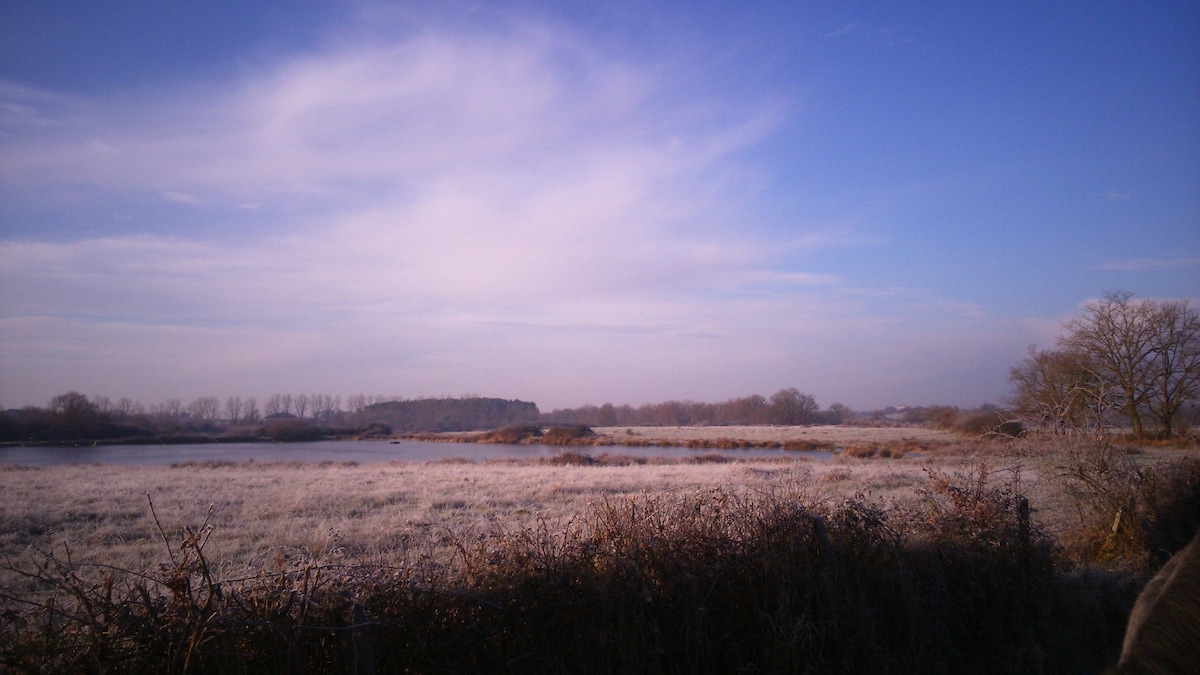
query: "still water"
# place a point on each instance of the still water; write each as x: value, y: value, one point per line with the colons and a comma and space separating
x: 334, y: 451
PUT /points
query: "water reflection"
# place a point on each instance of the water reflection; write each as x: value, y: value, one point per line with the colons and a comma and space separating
x: 335, y: 451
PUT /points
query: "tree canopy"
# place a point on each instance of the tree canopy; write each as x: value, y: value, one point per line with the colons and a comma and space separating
x: 1124, y: 359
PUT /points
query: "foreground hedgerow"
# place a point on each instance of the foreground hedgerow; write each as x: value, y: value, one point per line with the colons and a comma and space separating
x: 675, y: 583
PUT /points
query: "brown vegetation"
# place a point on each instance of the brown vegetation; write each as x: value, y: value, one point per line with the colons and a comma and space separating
x: 513, y: 433
x: 777, y: 566
x: 576, y: 435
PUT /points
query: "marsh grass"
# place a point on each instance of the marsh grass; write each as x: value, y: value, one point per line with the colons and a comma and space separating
x: 639, y: 567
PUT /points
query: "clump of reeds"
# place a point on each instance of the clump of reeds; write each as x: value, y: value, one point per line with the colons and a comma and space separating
x: 808, y: 445
x: 580, y: 434
x: 710, y: 581
x: 512, y: 434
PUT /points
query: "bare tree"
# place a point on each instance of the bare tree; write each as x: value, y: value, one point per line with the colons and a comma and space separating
x: 126, y: 407
x: 789, y: 406
x: 250, y: 412
x: 324, y: 406
x: 1056, y: 390
x: 1116, y: 335
x: 74, y: 408
x: 204, y: 408
x: 744, y: 410
x: 1175, y: 363
x: 171, y: 408
x: 840, y: 413
x: 274, y: 405
x: 300, y: 402
x: 356, y: 402
x: 103, y: 404
x: 607, y: 416
x: 1140, y: 357
x: 233, y: 409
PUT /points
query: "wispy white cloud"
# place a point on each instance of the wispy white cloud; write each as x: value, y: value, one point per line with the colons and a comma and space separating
x: 844, y: 30
x: 445, y: 212
x: 182, y: 198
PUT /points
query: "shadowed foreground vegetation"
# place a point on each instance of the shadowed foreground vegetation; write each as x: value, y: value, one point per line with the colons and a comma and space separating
x: 961, y: 579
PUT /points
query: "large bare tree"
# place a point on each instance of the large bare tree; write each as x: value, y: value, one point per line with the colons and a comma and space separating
x: 1145, y: 352
x: 1175, y: 363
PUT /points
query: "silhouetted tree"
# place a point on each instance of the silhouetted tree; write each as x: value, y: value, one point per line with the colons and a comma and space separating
x: 74, y: 412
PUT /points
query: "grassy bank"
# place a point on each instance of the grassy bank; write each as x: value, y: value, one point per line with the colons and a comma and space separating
x: 600, y: 566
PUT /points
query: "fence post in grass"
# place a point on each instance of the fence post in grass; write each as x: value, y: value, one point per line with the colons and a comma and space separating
x: 1023, y: 531
x: 362, y: 654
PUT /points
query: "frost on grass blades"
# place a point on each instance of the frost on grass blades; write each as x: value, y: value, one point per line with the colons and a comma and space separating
x: 783, y: 565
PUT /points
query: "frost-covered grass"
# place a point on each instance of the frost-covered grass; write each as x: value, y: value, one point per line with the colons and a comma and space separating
x: 580, y: 564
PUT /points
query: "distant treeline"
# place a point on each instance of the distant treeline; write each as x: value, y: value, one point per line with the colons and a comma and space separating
x: 786, y: 406
x: 74, y: 417
x: 451, y: 414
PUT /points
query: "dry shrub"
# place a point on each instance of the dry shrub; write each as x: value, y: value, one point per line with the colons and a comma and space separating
x: 700, y: 582
x: 722, y: 443
x: 569, y: 459
x: 988, y: 422
x: 1130, y: 515
x: 610, y: 459
x: 580, y: 434
x: 808, y: 445
x: 861, y: 451
x: 709, y: 458
x: 205, y: 464
x: 450, y: 461
x: 881, y: 450
x: 836, y: 476
x: 968, y: 507
x: 512, y: 434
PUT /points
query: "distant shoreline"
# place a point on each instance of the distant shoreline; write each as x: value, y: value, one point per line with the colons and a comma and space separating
x: 810, y: 437
x: 801, y: 437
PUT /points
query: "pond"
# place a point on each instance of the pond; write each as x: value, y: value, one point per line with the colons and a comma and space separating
x: 338, y: 451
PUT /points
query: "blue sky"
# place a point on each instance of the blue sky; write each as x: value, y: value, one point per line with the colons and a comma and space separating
x: 582, y: 202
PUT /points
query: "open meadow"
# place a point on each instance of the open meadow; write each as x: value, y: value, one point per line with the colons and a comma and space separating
x: 816, y: 435
x: 581, y: 563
